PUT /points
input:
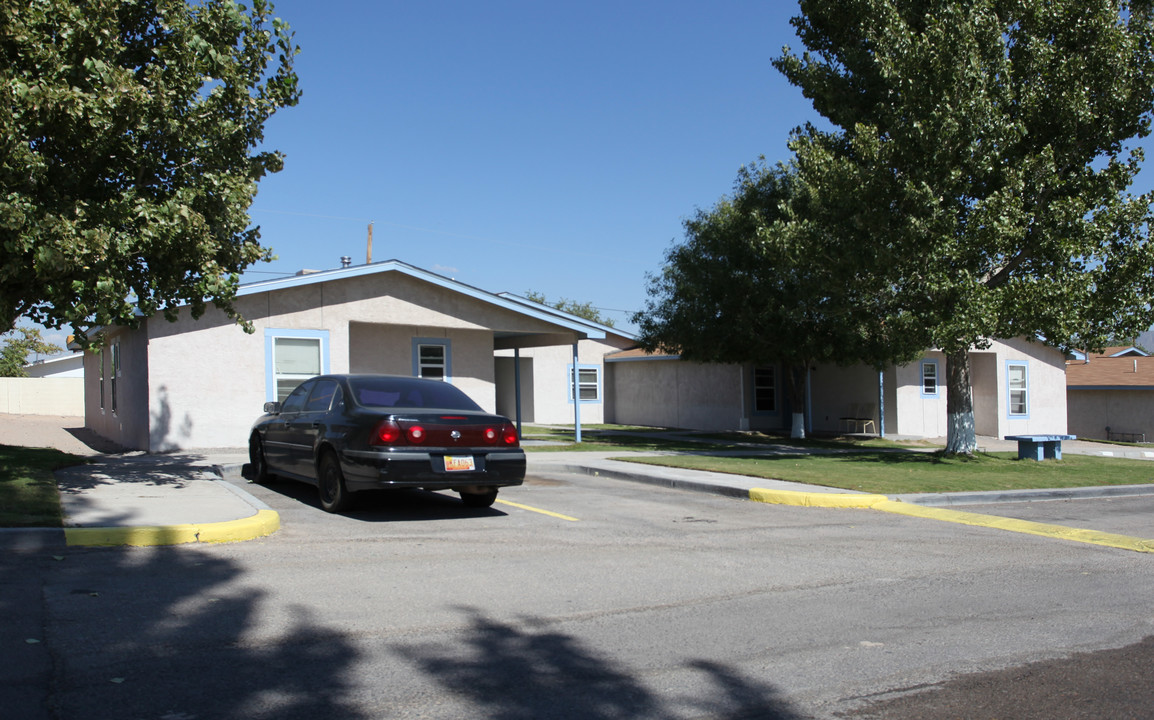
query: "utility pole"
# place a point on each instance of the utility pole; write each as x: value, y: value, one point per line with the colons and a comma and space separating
x: 369, y: 254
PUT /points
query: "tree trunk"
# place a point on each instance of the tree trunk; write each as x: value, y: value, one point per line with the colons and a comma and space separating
x: 795, y: 387
x: 961, y: 438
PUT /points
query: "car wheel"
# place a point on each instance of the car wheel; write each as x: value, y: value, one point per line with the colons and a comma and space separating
x: 259, y: 467
x: 479, y: 500
x: 331, y: 483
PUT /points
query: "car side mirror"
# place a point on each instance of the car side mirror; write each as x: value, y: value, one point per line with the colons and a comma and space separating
x: 272, y: 408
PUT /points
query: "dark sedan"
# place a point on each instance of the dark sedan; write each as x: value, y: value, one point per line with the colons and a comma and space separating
x: 345, y: 433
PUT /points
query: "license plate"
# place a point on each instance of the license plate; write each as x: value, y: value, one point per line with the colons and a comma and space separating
x: 459, y: 463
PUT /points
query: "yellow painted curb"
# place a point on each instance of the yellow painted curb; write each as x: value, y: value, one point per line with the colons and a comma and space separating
x: 883, y: 503
x: 265, y: 522
x: 1093, y: 537
x: 812, y: 499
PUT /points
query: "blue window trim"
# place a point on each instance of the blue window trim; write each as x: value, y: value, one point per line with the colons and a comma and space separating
x: 270, y: 334
x: 1009, y: 390
x: 443, y: 342
x: 569, y: 382
x: 776, y: 391
x: 937, y: 378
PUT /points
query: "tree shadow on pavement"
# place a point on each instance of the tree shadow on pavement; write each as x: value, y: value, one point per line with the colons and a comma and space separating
x: 512, y: 672
x: 169, y: 633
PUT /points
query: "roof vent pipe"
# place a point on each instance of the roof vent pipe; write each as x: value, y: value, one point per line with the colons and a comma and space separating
x: 346, y: 261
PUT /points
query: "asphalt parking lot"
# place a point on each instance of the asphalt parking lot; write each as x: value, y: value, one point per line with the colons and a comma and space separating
x: 585, y: 598
x: 589, y: 597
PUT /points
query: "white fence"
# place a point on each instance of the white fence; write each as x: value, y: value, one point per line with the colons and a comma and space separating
x: 42, y: 396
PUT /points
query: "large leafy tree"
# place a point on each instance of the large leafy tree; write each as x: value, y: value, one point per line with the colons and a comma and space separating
x: 756, y: 281
x: 980, y: 149
x: 130, y: 134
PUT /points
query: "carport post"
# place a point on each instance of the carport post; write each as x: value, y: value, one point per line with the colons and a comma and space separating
x: 517, y: 386
x: 881, y: 403
x: 576, y: 397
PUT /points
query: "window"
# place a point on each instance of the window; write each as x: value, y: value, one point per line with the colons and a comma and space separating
x: 431, y: 362
x: 1017, y: 380
x: 291, y: 357
x: 764, y: 390
x: 102, y: 379
x: 294, y: 361
x: 115, y: 371
x: 929, y: 378
x: 295, y: 400
x: 433, y: 358
x: 588, y: 383
x: 322, y: 397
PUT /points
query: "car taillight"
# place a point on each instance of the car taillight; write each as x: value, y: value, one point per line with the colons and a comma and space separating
x: 386, y: 432
x: 416, y: 434
x: 490, y: 435
x: 509, y: 435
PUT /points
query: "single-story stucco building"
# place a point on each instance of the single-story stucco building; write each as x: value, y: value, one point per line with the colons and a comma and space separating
x: 199, y: 383
x: 1018, y: 388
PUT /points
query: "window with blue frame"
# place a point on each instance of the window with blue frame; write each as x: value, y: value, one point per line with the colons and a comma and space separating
x: 588, y: 383
x: 433, y: 358
x: 930, y: 378
x: 291, y: 357
x: 1017, y: 382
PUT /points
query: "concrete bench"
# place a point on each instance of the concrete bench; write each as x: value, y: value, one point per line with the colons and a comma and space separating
x: 1039, y: 447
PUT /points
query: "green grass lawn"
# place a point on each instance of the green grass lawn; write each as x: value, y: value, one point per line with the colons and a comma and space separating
x: 895, y: 473
x: 866, y: 464
x: 595, y: 439
x: 28, y: 494
x: 623, y: 437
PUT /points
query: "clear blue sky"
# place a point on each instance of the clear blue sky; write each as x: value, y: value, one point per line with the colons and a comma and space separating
x: 517, y: 146
x: 520, y: 145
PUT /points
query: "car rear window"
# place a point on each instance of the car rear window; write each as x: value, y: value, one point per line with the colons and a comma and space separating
x: 408, y: 393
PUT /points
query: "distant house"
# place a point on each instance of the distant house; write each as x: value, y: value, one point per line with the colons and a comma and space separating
x: 1110, y: 395
x: 199, y: 383
x: 1018, y: 387
x: 63, y: 366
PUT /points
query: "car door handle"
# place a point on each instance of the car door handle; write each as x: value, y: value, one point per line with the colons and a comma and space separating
x: 316, y: 425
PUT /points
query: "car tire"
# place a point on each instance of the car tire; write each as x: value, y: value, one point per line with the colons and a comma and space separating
x: 331, y: 484
x: 258, y: 471
x: 479, y: 500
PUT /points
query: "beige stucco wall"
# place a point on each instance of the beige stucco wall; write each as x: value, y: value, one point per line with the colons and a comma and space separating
x: 1129, y: 410
x: 911, y: 412
x: 126, y: 421
x: 545, y: 387
x: 507, y: 388
x: 42, y: 396
x: 1046, y: 381
x: 672, y: 393
x: 838, y: 392
x: 388, y: 349
x: 989, y: 401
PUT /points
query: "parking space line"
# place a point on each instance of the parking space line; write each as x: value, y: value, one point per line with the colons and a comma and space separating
x: 538, y: 510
